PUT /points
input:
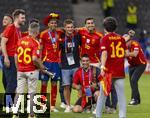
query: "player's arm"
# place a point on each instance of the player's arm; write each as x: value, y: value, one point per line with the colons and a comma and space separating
x: 3, y: 44
x: 4, y: 51
x: 76, y: 86
x: 103, y: 61
x: 38, y: 63
x: 128, y: 36
x: 134, y: 53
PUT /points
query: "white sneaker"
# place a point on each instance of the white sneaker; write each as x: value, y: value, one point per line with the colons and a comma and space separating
x: 71, y: 106
x: 54, y: 110
x: 94, y: 111
x: 63, y: 105
x: 68, y: 109
x: 88, y: 111
x: 15, y: 116
x: 4, y: 109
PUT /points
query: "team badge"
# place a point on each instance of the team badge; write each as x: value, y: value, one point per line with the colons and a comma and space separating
x: 87, y: 40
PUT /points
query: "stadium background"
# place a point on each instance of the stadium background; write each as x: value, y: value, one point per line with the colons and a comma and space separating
x: 40, y: 8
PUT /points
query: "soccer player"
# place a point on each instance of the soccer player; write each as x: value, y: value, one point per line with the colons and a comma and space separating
x: 10, y: 36
x: 112, y: 60
x: 70, y: 58
x: 25, y: 33
x: 51, y: 55
x: 137, y: 62
x: 85, y: 80
x: 7, y: 20
x: 28, y: 63
x: 91, y: 41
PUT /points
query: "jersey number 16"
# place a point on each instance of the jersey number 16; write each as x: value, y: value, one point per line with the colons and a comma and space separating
x: 117, y: 50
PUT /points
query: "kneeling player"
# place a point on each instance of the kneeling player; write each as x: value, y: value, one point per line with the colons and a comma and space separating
x: 85, y: 81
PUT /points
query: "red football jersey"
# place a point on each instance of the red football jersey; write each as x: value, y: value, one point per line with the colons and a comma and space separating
x: 90, y: 44
x: 140, y: 58
x: 115, y: 46
x: 26, y: 33
x: 27, y: 48
x: 50, y: 45
x: 83, y: 81
x: 13, y: 34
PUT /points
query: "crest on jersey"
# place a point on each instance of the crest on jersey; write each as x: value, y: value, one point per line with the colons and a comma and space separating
x: 87, y: 40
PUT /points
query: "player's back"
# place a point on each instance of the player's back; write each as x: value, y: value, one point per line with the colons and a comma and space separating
x: 115, y: 54
x: 27, y: 47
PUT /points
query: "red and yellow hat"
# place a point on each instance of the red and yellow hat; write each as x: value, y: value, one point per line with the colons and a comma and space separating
x: 51, y: 16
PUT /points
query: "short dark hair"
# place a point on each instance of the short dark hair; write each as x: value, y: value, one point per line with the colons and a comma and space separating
x: 17, y: 12
x: 34, y: 20
x: 90, y: 18
x: 85, y: 55
x: 110, y: 24
x: 68, y: 21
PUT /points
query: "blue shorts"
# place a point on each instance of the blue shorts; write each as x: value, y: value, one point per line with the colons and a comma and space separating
x: 67, y: 76
x: 52, y: 67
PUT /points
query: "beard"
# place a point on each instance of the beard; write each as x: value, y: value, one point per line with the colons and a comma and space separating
x: 52, y: 28
x: 91, y: 30
x: 22, y: 23
x: 85, y: 68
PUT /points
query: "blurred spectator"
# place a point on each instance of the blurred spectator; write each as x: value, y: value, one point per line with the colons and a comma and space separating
x: 108, y: 5
x: 131, y: 17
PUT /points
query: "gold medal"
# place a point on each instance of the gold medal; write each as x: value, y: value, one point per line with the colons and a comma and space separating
x: 55, y: 47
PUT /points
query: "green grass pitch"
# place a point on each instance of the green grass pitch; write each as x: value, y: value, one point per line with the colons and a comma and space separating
x: 139, y: 111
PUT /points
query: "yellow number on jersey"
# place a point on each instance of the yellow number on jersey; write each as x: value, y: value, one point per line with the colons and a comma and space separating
x: 23, y: 52
x: 117, y: 51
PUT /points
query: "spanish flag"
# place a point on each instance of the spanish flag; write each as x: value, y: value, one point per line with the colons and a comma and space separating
x: 106, y: 82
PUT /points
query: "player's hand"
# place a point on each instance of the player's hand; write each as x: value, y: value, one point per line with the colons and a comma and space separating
x: 131, y: 32
x: 50, y: 74
x: 102, y: 72
x: 94, y: 84
x: 79, y: 87
x: 6, y: 62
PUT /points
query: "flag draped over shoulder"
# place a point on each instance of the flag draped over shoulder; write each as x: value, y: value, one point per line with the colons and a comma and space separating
x: 106, y: 82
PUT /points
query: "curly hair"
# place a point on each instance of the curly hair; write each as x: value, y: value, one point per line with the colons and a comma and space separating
x: 110, y: 24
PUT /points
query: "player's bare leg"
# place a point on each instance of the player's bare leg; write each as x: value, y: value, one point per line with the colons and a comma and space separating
x: 67, y: 97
